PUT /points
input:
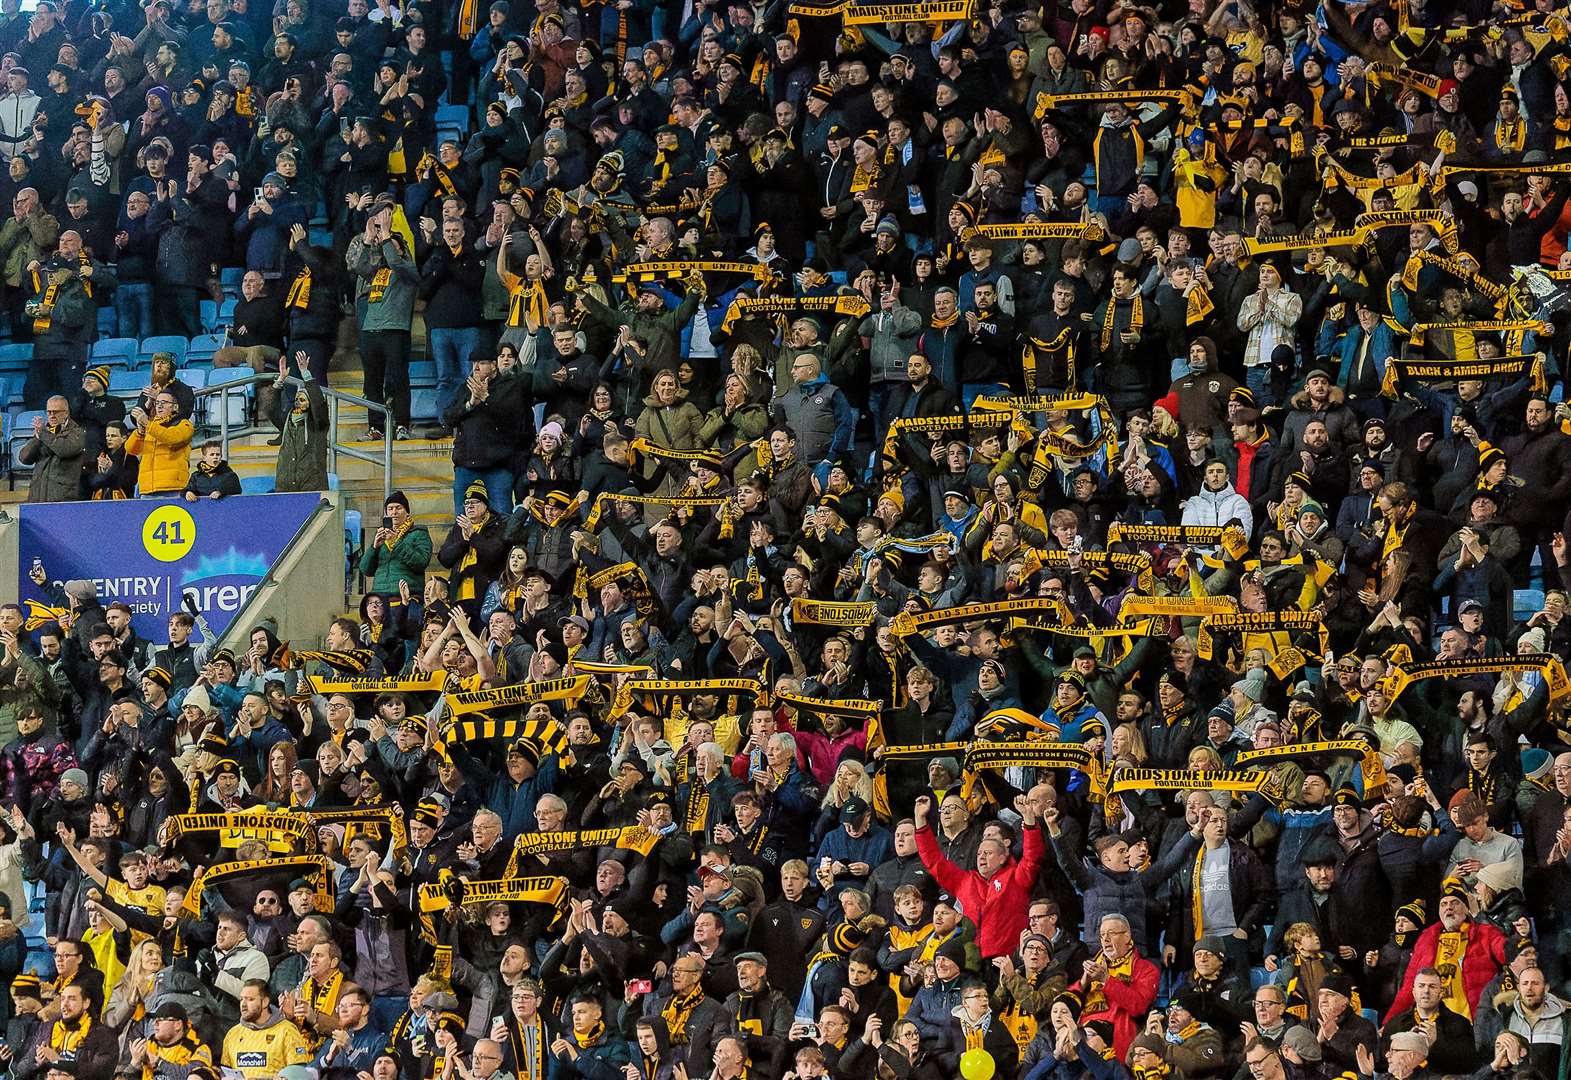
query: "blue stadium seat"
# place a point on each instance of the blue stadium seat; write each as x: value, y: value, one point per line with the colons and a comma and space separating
x: 126, y: 384
x: 422, y: 406
x: 209, y: 316
x: 422, y: 374
x: 195, y: 378
x: 257, y: 485
x: 108, y: 321
x: 109, y: 349
x: 169, y: 343
x: 1526, y: 603
x: 231, y: 276
x: 226, y: 313
x: 17, y: 433
x: 203, y: 347
x: 15, y: 357
x: 453, y: 116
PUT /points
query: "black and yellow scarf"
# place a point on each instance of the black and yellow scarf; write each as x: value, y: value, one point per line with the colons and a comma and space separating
x: 379, y: 284
x: 678, y: 1011
x: 1122, y: 969
x: 323, y: 999
x: 299, y: 292
x: 468, y: 563
x: 65, y: 1036
x: 1483, y: 785
x: 534, y: 1067
x: 585, y: 1039
x: 1196, y: 908
x: 1510, y: 137
x: 1137, y: 318
x: 864, y: 179
x: 398, y: 533
x: 50, y: 292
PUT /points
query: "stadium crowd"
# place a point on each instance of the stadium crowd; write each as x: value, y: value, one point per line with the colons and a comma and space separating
x: 1025, y: 543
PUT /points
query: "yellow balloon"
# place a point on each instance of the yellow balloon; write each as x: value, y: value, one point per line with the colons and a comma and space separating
x: 977, y: 1065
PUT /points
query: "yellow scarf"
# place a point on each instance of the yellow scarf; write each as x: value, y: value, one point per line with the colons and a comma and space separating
x: 1019, y: 1022
x: 1449, y: 954
x: 586, y: 1039
x: 862, y: 179
x: 399, y: 533
x: 47, y: 302
x: 379, y: 284
x: 677, y: 1013
x: 1122, y: 969
x: 1483, y: 785
x: 466, y: 565
x: 66, y: 1037
x: 1196, y: 908
x: 1198, y: 305
x: 322, y: 999
x: 1510, y: 137
x: 1396, y: 530
x: 1137, y: 318
x: 944, y: 324
x: 299, y: 292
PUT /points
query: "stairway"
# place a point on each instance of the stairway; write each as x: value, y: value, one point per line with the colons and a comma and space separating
x: 422, y: 468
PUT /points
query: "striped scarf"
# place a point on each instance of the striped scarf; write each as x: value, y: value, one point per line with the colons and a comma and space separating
x: 299, y: 292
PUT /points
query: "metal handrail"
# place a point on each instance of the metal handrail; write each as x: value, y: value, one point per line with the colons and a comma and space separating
x: 335, y: 399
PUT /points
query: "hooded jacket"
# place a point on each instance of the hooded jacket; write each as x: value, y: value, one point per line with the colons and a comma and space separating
x: 261, y: 1050
x: 1202, y: 395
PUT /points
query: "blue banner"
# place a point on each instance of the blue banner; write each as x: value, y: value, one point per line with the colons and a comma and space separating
x: 149, y: 553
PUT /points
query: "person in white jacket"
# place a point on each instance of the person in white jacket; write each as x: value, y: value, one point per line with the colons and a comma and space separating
x: 1216, y: 503
x: 18, y: 106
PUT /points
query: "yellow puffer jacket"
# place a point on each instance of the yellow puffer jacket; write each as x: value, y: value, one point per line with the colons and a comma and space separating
x: 165, y: 450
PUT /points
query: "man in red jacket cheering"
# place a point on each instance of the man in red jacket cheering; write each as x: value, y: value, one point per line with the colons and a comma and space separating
x: 995, y: 894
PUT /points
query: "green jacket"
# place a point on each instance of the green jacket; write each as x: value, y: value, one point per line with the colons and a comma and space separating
x: 39, y: 692
x: 662, y: 330
x: 405, y: 561
x: 22, y: 241
x: 395, y: 310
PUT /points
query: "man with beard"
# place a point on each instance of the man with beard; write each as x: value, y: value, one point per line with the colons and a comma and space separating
x: 1464, y: 952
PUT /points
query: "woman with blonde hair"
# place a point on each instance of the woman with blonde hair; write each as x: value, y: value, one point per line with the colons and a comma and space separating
x: 1129, y: 743
x: 128, y: 1000
x: 851, y: 781
x: 747, y: 364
